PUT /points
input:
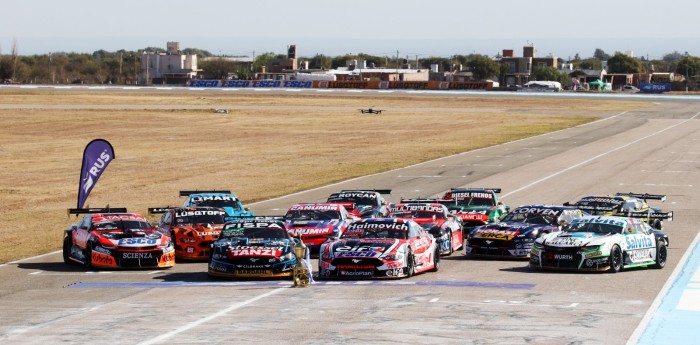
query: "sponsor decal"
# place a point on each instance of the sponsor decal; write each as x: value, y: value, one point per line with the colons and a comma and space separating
x: 363, y: 195
x: 638, y: 241
x: 254, y: 251
x: 600, y: 200
x: 357, y: 254
x: 298, y: 84
x: 355, y: 273
x: 469, y: 195
x: 199, y: 213
x: 417, y: 85
x: 198, y: 198
x: 267, y: 83
x: 355, y: 267
x: 310, y: 231
x: 597, y: 262
x: 253, y: 272
x: 565, y: 241
x: 235, y: 83
x: 640, y: 255
x: 592, y: 255
x: 495, y: 234
x: 393, y: 264
x: 537, y: 210
x: 204, y: 83
x: 568, y: 257
x: 395, y: 272
x: 110, y: 217
x: 234, y: 226
x: 137, y: 256
x: 599, y: 220
x: 102, y: 259
x: 137, y: 241
x: 519, y: 252
x: 378, y: 226
x: 328, y: 207
x: 417, y: 208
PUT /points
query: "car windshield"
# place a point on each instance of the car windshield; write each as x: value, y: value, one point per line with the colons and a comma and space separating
x: 200, y: 219
x: 531, y: 218
x: 378, y: 233
x: 419, y: 214
x: 256, y: 233
x: 218, y: 203
x: 357, y: 200
x: 597, y: 228
x: 121, y: 225
x: 475, y: 202
x: 313, y: 215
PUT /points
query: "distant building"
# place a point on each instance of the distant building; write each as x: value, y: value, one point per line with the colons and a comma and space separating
x: 171, y: 67
x: 519, y: 69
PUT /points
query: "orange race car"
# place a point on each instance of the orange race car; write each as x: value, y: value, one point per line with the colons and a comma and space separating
x: 113, y: 238
x: 192, y: 229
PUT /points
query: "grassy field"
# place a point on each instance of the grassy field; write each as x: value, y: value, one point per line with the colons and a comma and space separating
x: 267, y: 145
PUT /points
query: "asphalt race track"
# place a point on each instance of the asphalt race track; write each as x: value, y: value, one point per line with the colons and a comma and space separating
x: 469, y: 301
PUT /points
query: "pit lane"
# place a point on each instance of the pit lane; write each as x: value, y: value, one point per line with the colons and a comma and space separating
x: 655, y: 151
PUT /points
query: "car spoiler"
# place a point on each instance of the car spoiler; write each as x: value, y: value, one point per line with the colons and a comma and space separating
x: 652, y: 215
x: 154, y: 210
x: 592, y: 208
x: 189, y: 192
x: 380, y: 191
x: 107, y: 209
x: 495, y: 190
x: 644, y: 196
x: 446, y: 202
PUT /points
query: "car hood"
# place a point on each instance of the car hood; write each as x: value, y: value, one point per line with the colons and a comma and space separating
x: 133, y: 239
x: 576, y: 239
x: 509, y: 230
x: 363, y: 248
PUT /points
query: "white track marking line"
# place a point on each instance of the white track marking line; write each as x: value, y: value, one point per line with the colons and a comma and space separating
x: 597, y: 156
x: 191, y: 325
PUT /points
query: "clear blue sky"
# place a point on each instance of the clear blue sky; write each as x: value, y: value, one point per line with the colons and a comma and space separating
x: 380, y: 27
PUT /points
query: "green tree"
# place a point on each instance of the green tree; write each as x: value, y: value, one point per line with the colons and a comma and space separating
x: 600, y: 55
x: 672, y: 57
x: 483, y: 67
x: 621, y: 63
x: 689, y: 67
x: 218, y: 68
x: 549, y: 74
x: 198, y: 52
x: 320, y: 61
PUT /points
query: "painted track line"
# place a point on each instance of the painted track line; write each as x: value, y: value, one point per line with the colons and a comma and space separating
x: 222, y: 312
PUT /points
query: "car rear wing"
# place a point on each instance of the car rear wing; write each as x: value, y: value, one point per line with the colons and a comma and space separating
x: 155, y: 210
x: 189, y: 192
x: 645, y: 196
x: 495, y: 190
x: 652, y: 215
x: 446, y: 202
x: 252, y: 218
x: 593, y: 208
x: 107, y: 209
x: 380, y: 191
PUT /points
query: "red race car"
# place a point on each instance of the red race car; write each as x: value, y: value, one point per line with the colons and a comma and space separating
x: 314, y: 223
x: 436, y: 220
x: 379, y: 248
x: 192, y: 229
x: 113, y: 238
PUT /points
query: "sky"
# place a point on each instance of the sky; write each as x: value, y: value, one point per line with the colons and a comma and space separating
x: 408, y: 28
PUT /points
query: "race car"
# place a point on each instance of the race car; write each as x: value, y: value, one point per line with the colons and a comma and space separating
x: 192, y: 229
x: 380, y: 248
x: 514, y: 235
x: 221, y: 199
x: 253, y: 249
x: 600, y: 243
x: 315, y: 223
x: 436, y: 220
x: 363, y: 203
x: 113, y: 238
x: 476, y: 206
x: 625, y: 204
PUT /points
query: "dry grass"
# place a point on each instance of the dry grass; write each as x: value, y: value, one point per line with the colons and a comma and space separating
x: 268, y: 145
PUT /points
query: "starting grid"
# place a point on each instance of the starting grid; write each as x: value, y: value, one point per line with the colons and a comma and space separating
x: 279, y: 283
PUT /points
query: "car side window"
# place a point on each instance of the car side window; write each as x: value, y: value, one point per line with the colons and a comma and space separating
x: 166, y: 218
x: 414, y: 231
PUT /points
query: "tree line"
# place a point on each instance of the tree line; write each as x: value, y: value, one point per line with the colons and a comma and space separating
x: 125, y: 67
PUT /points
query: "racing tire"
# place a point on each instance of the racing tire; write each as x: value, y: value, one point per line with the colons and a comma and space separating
x: 410, y: 264
x: 452, y: 250
x: 436, y: 260
x: 661, y: 254
x: 87, y: 260
x: 656, y: 224
x: 616, y: 259
x: 67, y: 246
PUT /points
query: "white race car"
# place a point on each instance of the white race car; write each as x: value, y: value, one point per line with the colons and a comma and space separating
x: 601, y: 243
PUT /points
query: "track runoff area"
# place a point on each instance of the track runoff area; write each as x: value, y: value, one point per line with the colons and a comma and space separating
x: 669, y: 318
